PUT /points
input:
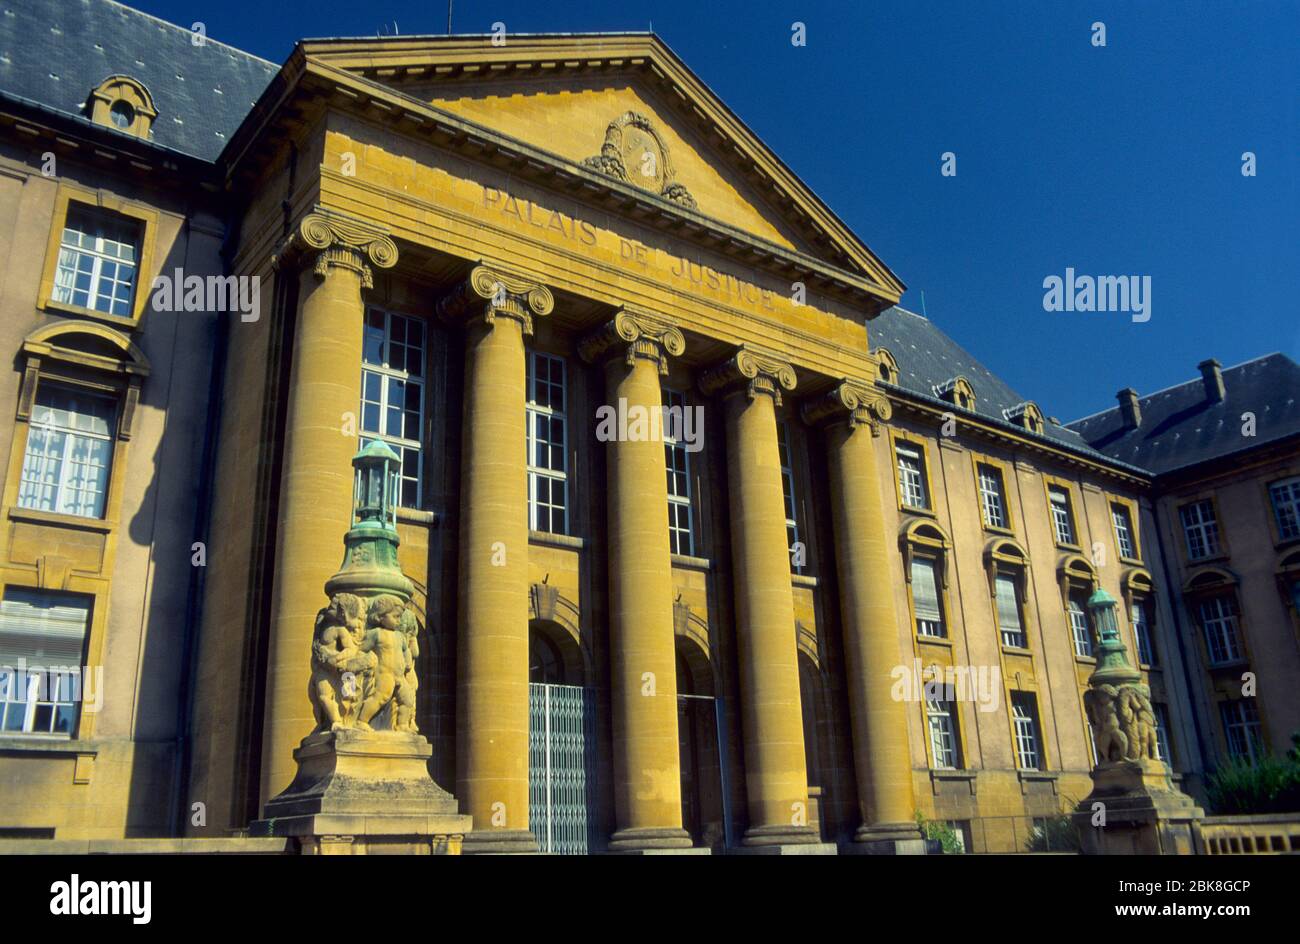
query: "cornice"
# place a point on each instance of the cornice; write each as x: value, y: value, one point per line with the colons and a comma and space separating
x: 636, y: 334
x: 755, y: 371
x: 492, y: 290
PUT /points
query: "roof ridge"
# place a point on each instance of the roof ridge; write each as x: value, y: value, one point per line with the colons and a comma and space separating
x: 206, y: 37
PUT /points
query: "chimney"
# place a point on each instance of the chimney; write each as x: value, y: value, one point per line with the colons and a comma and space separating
x: 1212, y: 377
x: 1128, y: 408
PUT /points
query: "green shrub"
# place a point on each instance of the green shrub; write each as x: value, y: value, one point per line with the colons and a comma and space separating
x: 1054, y: 834
x: 1269, y: 785
x: 945, y: 834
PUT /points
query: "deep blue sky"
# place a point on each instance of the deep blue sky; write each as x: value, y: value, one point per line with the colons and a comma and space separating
x: 1117, y: 160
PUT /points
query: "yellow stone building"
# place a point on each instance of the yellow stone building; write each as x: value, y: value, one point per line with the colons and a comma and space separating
x: 502, y: 261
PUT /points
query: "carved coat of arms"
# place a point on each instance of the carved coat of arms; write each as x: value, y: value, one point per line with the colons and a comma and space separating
x: 635, y: 152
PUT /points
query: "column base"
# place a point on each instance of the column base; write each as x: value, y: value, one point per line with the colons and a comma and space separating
x: 780, y: 835
x: 886, y: 839
x: 500, y: 842
x: 643, y: 838
x: 787, y: 848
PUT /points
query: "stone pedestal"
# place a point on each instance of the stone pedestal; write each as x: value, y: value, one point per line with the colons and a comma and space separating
x: 360, y: 792
x: 1144, y: 813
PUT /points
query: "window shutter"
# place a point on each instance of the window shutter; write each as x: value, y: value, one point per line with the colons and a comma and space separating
x: 925, y: 591
x: 45, y: 630
x: 1008, y: 608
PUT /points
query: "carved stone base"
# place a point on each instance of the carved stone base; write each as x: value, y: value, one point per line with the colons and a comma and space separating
x: 1144, y: 813
x: 758, y: 836
x: 360, y: 792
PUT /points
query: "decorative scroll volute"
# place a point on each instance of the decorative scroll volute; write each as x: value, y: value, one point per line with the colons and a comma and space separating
x: 491, y: 291
x: 341, y: 241
x: 758, y: 371
x: 636, y: 334
x: 852, y: 401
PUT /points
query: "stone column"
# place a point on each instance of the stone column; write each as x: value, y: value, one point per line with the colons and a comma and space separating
x: 647, y: 771
x: 776, y: 775
x: 316, y: 485
x: 853, y: 413
x: 492, y: 645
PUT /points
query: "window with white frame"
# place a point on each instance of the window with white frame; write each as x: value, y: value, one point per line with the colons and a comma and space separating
x: 1140, y: 615
x: 1123, y: 522
x: 911, y: 475
x: 1007, y: 599
x: 992, y: 500
x: 1062, y: 515
x: 1077, y: 609
x: 392, y: 394
x: 1164, y: 746
x: 548, y: 485
x: 69, y: 451
x: 926, y: 601
x: 1219, y: 621
x: 98, y: 256
x: 44, y: 635
x: 799, y: 558
x: 1286, y: 507
x: 1024, y: 715
x: 1241, y: 727
x: 944, y: 746
x: 1200, y: 529
x: 677, y: 462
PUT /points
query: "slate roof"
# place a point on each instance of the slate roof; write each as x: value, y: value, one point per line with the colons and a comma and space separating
x: 1181, y: 427
x: 53, y: 52
x: 928, y: 359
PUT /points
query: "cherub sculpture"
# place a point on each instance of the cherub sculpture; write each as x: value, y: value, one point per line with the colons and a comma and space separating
x: 1101, y: 703
x: 338, y: 662
x: 390, y: 648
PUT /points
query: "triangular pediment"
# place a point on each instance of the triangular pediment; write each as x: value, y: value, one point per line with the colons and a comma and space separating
x: 624, y: 106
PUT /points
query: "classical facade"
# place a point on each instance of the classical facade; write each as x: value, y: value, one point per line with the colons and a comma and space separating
x: 711, y: 546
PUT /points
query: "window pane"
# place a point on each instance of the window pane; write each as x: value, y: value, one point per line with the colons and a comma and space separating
x: 47, y: 632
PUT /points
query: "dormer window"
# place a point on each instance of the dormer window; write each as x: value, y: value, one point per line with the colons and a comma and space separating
x: 886, y: 366
x: 958, y: 392
x: 122, y: 103
x: 1027, y: 416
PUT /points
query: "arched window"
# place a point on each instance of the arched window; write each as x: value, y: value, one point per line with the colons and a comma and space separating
x: 544, y: 663
x: 886, y: 366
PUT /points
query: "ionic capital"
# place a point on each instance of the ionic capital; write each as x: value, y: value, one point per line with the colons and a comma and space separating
x: 851, y: 401
x: 491, y: 291
x: 758, y: 371
x: 335, y: 240
x: 635, y: 334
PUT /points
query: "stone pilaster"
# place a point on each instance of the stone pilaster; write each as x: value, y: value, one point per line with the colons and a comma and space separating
x: 647, y: 773
x: 776, y: 776
x: 497, y: 308
x: 338, y: 255
x: 853, y: 414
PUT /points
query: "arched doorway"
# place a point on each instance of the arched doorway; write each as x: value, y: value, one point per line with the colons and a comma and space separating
x: 704, y: 800
x: 812, y: 698
x: 562, y: 798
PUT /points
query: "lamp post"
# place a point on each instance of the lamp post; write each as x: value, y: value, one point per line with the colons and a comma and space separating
x: 370, y: 564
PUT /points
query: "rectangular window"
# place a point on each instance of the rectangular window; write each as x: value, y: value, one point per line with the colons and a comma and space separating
x: 98, y: 256
x: 1077, y: 609
x: 1200, y: 528
x: 1123, y: 531
x: 677, y: 462
x: 1062, y: 514
x: 392, y: 394
x: 548, y: 485
x: 1286, y: 507
x: 991, y: 497
x: 1241, y: 727
x: 943, y: 734
x: 45, y: 635
x: 925, y: 598
x: 911, y: 475
x: 69, y: 450
x: 1024, y: 713
x: 798, y: 551
x: 1219, y: 621
x: 1142, y: 630
x: 1008, y: 604
x: 1164, y: 746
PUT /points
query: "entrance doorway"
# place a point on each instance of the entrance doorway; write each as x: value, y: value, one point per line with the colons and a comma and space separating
x: 701, y: 752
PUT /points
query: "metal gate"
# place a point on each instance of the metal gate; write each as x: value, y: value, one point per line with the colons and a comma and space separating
x: 562, y: 767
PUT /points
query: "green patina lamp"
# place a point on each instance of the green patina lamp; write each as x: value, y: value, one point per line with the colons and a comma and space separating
x: 1112, y: 655
x: 370, y: 564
